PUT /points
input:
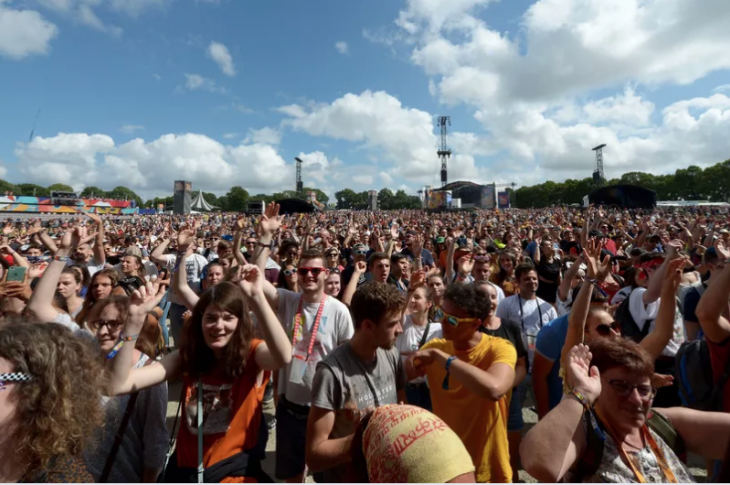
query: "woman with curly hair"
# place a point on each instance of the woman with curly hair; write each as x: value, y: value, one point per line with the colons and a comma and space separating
x: 51, y: 386
x: 505, y: 277
x: 225, y: 370
x: 141, y: 450
x: 101, y: 286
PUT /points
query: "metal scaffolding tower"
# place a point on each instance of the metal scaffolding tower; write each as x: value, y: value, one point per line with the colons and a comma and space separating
x: 300, y: 185
x: 444, y: 153
x: 599, y: 177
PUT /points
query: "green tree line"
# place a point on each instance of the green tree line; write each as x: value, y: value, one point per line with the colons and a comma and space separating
x: 691, y: 183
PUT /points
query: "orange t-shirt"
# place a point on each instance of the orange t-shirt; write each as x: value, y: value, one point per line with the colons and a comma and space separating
x: 231, y: 416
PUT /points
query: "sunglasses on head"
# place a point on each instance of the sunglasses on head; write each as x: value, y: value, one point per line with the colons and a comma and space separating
x: 604, y: 329
x: 305, y: 271
x: 454, y: 321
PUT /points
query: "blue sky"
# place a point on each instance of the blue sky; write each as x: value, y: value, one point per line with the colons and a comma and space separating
x: 143, y: 92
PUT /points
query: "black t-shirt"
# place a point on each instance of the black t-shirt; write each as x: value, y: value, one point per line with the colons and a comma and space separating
x: 510, y: 331
x: 549, y: 271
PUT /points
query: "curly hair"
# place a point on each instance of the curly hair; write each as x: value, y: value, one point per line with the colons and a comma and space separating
x: 470, y: 298
x: 60, y: 408
x: 197, y: 357
x: 374, y: 301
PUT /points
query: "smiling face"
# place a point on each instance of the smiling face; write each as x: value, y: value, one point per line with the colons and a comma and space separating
x: 308, y: 281
x: 215, y: 274
x: 332, y: 284
x: 419, y: 303
x: 218, y: 328
x: 108, y: 326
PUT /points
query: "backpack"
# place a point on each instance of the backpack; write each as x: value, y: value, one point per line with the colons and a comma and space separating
x: 629, y: 327
x: 590, y: 460
x: 685, y: 290
x: 694, y: 377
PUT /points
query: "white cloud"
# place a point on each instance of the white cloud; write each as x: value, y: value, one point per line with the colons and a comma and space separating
x: 196, y: 81
x: 266, y: 135
x: 150, y: 167
x: 24, y: 32
x: 157, y: 77
x: 386, y: 179
x: 342, y: 47
x: 87, y: 16
x: 220, y: 54
x: 363, y: 179
x: 230, y: 136
x: 722, y: 88
x: 404, y: 136
x: 129, y: 129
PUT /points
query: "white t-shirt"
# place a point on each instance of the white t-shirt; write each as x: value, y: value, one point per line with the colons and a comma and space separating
x: 564, y: 307
x: 411, y: 337
x: 528, y: 313
x: 335, y: 328
x: 642, y: 313
x: 66, y: 320
x: 193, y: 265
x: 621, y: 295
x: 92, y: 266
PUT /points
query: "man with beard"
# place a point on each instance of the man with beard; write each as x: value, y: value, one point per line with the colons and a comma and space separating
x: 362, y: 374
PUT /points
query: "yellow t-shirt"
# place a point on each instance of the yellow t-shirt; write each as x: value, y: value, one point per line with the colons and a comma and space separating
x: 480, y: 423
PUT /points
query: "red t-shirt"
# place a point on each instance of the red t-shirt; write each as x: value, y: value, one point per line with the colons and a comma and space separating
x: 719, y: 356
x: 231, y: 416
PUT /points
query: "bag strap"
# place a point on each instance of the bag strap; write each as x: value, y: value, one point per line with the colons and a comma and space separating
x: 120, y: 433
x: 425, y: 335
x: 172, y: 436
x: 201, y: 469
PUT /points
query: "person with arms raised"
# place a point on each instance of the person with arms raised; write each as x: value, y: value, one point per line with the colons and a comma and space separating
x: 317, y: 324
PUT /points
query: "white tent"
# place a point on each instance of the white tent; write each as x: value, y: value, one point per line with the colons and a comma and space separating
x: 199, y: 203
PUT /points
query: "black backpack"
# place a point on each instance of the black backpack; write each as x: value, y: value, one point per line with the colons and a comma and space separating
x: 694, y: 377
x: 629, y: 328
x: 590, y: 460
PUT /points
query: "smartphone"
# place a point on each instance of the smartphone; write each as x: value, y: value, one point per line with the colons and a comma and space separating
x: 16, y: 273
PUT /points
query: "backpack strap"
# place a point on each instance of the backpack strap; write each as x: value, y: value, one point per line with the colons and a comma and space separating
x: 664, y: 428
x: 425, y: 335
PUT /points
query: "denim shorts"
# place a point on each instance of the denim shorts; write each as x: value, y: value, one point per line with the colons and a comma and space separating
x: 515, y: 422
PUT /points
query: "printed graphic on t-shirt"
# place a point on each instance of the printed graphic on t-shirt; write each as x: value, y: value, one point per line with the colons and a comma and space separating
x: 217, y: 409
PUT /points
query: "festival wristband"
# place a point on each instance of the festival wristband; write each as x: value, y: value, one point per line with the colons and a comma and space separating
x: 62, y: 259
x: 445, y: 384
x: 130, y: 338
x: 586, y: 405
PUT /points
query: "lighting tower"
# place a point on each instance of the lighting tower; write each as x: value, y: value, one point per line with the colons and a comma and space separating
x: 300, y: 185
x: 598, y: 177
x: 444, y: 153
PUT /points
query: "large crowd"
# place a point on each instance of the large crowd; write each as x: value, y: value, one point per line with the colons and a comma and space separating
x: 395, y: 346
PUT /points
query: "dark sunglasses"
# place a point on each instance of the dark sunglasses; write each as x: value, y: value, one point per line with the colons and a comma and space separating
x: 250, y: 243
x: 304, y: 271
x: 604, y: 330
x: 624, y: 389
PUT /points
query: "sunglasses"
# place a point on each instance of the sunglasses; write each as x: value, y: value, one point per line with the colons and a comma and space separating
x: 112, y: 325
x: 305, y: 271
x: 454, y: 321
x: 360, y: 252
x: 250, y: 243
x: 624, y: 389
x: 289, y: 272
x: 604, y: 329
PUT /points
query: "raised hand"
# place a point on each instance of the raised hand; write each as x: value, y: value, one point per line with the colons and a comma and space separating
x: 418, y: 279
x: 251, y: 280
x: 597, y: 268
x: 240, y: 223
x: 185, y: 237
x: 35, y: 228
x: 673, y: 275
x: 7, y: 230
x: 144, y: 299
x: 73, y: 238
x: 673, y: 248
x: 723, y: 252
x: 661, y: 380
x: 394, y: 231
x: 94, y: 217
x: 360, y: 267
x: 581, y: 376
x: 465, y: 264
x: 270, y: 221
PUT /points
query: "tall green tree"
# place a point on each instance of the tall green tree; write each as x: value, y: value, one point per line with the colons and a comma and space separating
x: 124, y: 193
x: 211, y: 198
x: 6, y: 187
x: 236, y: 200
x: 94, y: 192
x: 33, y: 189
x: 386, y: 198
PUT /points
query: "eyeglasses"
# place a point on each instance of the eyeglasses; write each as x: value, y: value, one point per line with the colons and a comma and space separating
x: 112, y: 325
x: 624, y: 389
x: 305, y: 271
x: 360, y: 252
x: 289, y: 272
x: 454, y: 321
x: 604, y: 330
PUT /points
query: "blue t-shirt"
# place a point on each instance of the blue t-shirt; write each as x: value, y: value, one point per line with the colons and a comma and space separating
x: 531, y: 248
x: 549, y: 344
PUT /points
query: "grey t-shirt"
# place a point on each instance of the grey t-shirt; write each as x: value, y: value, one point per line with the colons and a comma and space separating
x: 342, y: 378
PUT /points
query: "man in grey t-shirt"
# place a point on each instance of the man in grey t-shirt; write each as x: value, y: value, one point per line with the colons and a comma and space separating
x: 355, y: 378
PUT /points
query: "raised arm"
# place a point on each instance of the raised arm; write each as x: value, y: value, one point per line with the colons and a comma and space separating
x: 564, y: 288
x: 714, y: 302
x: 240, y: 226
x: 180, y: 284
x: 553, y: 445
x: 41, y: 302
x: 276, y: 351
x: 654, y: 290
x: 99, y: 254
x: 351, y: 288
x: 124, y: 379
x: 451, y: 248
x: 158, y: 255
x: 268, y: 225
x: 17, y: 258
x: 655, y: 342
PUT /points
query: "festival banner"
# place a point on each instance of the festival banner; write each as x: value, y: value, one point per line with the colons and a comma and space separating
x: 503, y: 198
x: 489, y: 201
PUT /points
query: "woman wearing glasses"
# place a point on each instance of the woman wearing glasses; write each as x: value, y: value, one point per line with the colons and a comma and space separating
x: 140, y: 453
x: 288, y: 278
x: 603, y: 430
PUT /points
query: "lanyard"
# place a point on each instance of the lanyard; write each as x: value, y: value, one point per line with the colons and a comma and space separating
x: 658, y: 453
x: 522, y: 317
x: 315, y: 326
